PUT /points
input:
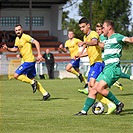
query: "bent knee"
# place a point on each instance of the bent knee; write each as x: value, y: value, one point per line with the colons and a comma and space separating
x: 15, y: 75
x: 93, y: 91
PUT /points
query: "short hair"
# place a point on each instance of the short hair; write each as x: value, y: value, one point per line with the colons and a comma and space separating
x: 109, y: 22
x: 84, y: 20
x: 18, y: 25
x: 71, y: 30
x: 99, y: 25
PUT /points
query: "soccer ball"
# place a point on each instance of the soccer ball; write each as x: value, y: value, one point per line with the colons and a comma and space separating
x: 97, y: 108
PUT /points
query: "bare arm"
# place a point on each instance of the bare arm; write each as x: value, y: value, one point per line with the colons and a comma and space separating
x: 62, y: 48
x: 93, y: 42
x: 14, y: 49
x: 101, y: 45
x: 129, y: 39
x: 39, y: 56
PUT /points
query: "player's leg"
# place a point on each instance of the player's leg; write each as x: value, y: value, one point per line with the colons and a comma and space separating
x: 93, y: 73
x: 71, y: 68
x: 21, y: 74
x: 31, y: 74
x: 81, y: 76
x: 127, y: 76
x: 109, y: 95
x: 107, y: 78
x: 118, y: 85
x: 26, y: 73
x: 41, y: 89
x: 111, y: 105
x: 90, y: 100
x: 95, y: 70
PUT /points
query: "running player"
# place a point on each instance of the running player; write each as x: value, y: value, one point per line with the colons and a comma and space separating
x: 26, y: 72
x: 72, y: 45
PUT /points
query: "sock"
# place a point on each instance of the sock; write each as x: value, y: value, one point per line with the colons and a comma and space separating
x: 112, y: 98
x: 74, y: 71
x: 45, y: 93
x: 131, y: 77
x: 84, y: 79
x: 123, y: 75
x: 24, y: 78
x: 102, y: 99
x: 88, y: 103
x: 41, y: 89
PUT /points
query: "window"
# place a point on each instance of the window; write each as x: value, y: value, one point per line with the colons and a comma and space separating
x: 36, y: 21
x: 9, y: 21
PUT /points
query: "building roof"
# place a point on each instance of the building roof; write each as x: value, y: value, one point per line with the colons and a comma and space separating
x: 25, y: 3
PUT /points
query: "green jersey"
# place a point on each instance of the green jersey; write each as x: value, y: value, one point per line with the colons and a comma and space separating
x: 113, y: 48
x: 102, y: 39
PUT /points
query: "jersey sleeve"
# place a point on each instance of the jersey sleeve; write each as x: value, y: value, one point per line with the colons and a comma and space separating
x: 28, y: 38
x: 121, y: 39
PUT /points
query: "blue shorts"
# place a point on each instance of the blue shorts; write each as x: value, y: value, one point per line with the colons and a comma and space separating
x: 95, y: 70
x: 27, y: 68
x: 75, y: 63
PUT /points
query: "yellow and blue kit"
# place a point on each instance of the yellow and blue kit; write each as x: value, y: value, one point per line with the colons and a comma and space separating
x: 72, y: 46
x: 95, y: 56
x: 24, y: 44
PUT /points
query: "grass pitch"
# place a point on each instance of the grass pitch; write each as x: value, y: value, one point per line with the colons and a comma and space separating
x: 21, y: 111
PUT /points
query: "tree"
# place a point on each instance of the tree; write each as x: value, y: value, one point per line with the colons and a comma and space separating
x: 65, y: 20
x: 108, y: 9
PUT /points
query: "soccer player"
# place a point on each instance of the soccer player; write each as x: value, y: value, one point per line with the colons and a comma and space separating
x: 26, y: 72
x: 72, y: 45
x: 99, y: 28
x: 95, y: 56
x: 112, y: 71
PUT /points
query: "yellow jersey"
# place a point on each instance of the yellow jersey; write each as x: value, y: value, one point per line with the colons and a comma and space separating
x: 25, y: 46
x: 72, y: 46
x: 94, y: 52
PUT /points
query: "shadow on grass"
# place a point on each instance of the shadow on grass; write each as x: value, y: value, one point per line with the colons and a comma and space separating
x: 57, y: 98
x: 127, y: 111
x: 127, y: 94
x: 50, y: 99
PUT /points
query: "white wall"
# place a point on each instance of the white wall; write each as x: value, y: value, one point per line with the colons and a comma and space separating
x: 25, y: 12
x: 52, y: 19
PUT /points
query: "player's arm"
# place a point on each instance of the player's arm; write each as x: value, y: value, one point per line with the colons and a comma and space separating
x: 63, y: 49
x: 128, y: 39
x: 101, y: 45
x: 14, y: 49
x: 80, y: 55
x: 39, y: 56
x: 93, y: 42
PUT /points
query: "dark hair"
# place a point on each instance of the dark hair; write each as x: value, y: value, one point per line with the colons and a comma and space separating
x: 84, y: 20
x: 18, y: 25
x: 109, y: 22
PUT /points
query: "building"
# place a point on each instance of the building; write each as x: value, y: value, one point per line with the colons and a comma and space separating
x: 45, y: 14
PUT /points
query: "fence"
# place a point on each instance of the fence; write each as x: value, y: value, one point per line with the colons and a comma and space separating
x: 8, y: 68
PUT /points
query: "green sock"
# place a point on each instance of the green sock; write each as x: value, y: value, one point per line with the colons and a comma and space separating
x: 112, y: 98
x: 123, y: 75
x: 88, y: 103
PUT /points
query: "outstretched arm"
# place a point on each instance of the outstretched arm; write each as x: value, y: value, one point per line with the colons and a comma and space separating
x: 129, y: 39
x: 14, y: 49
x: 62, y: 48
